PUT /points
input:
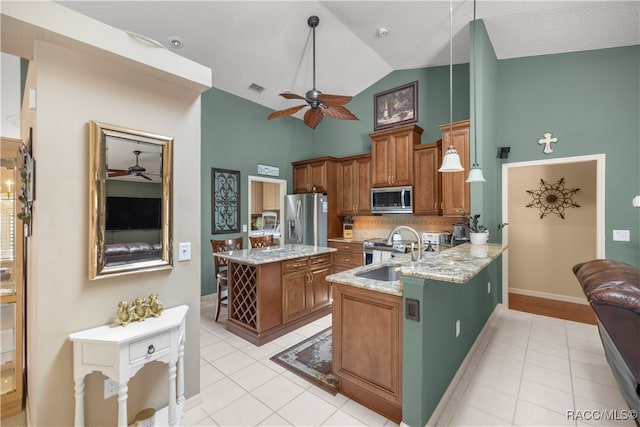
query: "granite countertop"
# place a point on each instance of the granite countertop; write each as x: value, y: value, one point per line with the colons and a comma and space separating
x: 456, y: 265
x: 269, y: 254
x: 341, y: 240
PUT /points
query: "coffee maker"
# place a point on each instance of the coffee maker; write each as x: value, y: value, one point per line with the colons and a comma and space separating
x: 460, y: 232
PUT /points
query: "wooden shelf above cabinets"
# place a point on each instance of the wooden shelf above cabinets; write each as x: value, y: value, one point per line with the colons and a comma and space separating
x: 392, y: 156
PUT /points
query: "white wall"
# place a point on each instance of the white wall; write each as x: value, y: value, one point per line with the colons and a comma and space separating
x: 73, y: 88
x: 10, y: 95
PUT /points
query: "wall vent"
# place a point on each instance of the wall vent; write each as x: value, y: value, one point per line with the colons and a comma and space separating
x: 256, y: 87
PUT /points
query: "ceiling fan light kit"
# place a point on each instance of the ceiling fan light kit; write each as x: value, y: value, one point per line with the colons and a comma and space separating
x: 321, y: 104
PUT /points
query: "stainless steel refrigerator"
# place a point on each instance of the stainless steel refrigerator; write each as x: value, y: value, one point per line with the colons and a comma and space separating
x: 305, y: 219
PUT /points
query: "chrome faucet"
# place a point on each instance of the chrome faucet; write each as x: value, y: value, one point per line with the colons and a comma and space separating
x: 404, y: 227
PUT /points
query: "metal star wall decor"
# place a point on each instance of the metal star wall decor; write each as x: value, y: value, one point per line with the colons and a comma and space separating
x: 552, y: 198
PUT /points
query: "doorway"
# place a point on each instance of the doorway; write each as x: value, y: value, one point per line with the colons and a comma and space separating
x: 265, y: 204
x: 543, y: 246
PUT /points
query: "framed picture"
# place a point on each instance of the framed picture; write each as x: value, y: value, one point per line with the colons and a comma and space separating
x: 396, y: 107
x: 225, y: 201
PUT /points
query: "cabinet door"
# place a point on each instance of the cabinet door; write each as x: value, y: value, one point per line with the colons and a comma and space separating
x: 380, y: 169
x: 301, y: 179
x: 400, y: 154
x: 318, y: 173
x: 270, y: 196
x: 426, y: 180
x: 362, y: 189
x: 455, y: 191
x: 347, y: 184
x: 321, y: 288
x: 294, y: 295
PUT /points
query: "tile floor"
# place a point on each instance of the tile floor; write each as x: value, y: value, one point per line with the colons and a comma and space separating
x: 528, y: 370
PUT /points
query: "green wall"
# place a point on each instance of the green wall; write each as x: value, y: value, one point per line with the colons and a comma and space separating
x: 590, y: 101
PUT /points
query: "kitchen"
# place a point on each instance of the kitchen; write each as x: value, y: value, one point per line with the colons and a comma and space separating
x: 433, y: 259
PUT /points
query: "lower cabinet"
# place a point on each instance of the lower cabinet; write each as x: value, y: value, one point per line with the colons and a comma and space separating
x: 304, y: 288
x: 350, y: 255
x: 367, y: 348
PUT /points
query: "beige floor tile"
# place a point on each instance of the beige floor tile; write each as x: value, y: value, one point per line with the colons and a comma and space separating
x: 253, y: 376
x: 547, y: 377
x: 470, y: 416
x: 531, y: 415
x: 307, y: 409
x: 277, y: 392
x: 546, y: 397
x: 245, y: 411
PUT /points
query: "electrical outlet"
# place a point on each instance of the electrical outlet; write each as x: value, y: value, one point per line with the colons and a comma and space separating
x: 110, y: 388
x: 621, y: 235
x: 457, y: 328
x: 488, y: 287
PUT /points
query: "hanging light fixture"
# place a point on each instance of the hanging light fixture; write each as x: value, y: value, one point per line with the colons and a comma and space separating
x: 451, y: 160
x: 475, y: 174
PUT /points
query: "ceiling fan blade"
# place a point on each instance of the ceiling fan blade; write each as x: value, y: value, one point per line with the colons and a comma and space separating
x: 334, y: 100
x: 289, y: 95
x: 117, y: 170
x: 339, y: 112
x: 116, y: 174
x: 313, y: 117
x: 141, y: 175
x: 285, y: 112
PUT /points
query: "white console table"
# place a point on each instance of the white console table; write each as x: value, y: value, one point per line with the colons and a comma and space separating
x: 120, y: 352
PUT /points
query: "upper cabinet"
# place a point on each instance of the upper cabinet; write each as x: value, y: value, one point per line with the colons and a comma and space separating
x: 354, y: 182
x: 392, y: 156
x: 456, y: 193
x: 313, y: 176
x: 426, y: 160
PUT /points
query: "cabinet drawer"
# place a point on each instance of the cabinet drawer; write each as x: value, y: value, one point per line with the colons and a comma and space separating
x: 149, y: 346
x: 350, y: 259
x: 319, y: 260
x: 296, y: 264
x: 347, y: 246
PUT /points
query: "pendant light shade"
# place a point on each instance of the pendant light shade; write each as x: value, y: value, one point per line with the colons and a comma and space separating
x: 451, y: 161
x: 475, y: 174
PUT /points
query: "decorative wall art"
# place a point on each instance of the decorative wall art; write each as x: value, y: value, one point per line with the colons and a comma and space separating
x: 27, y: 187
x: 552, y: 198
x: 225, y: 201
x: 395, y: 107
x: 547, y: 140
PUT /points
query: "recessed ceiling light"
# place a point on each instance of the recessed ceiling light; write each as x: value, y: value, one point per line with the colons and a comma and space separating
x: 175, y: 42
x: 382, y: 32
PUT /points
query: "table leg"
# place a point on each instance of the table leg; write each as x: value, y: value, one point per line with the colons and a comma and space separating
x: 123, y: 395
x: 79, y: 395
x: 172, y: 394
x: 181, y: 374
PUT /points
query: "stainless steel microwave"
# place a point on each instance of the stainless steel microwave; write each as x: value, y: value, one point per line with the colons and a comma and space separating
x: 392, y: 200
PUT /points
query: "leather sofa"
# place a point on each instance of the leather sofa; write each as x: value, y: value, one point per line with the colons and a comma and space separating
x: 134, y: 251
x: 613, y: 290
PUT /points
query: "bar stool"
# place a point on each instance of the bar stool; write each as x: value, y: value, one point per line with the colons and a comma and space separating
x: 220, y: 265
x: 261, y: 241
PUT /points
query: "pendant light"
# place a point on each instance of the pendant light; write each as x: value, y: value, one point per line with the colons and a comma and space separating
x: 475, y: 174
x: 451, y: 160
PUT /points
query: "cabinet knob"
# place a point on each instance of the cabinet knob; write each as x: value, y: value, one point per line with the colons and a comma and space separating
x: 151, y: 349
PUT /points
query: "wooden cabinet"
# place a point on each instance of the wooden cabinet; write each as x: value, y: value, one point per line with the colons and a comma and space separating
x: 349, y: 255
x: 367, y: 348
x: 270, y: 196
x: 456, y: 193
x: 304, y: 288
x: 256, y: 197
x: 11, y: 278
x: 426, y: 185
x: 392, y: 156
x: 354, y: 182
x: 314, y: 176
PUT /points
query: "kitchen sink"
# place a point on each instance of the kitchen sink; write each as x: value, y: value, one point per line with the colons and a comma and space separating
x: 386, y: 273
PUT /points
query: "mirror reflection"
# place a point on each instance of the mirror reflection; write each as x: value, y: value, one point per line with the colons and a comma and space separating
x: 131, y: 193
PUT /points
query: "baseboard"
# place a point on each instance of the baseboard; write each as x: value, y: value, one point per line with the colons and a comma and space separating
x: 546, y: 295
x: 191, y: 403
x: 437, y: 412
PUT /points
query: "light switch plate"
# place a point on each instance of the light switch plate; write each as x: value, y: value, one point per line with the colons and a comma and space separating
x: 621, y: 235
x: 184, y: 251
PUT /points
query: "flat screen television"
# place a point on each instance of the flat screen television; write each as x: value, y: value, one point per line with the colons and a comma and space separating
x: 133, y: 213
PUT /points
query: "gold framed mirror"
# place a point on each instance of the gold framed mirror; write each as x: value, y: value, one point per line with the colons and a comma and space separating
x: 130, y: 221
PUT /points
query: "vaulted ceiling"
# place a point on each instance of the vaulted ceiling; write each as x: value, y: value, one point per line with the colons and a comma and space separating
x: 268, y: 43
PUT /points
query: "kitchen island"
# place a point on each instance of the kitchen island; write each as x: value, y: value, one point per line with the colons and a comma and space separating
x: 277, y: 289
x: 398, y: 342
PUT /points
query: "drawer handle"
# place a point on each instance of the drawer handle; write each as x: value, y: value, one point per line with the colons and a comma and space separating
x: 151, y: 349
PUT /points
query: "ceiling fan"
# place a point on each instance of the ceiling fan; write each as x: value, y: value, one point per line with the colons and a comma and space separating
x: 321, y: 104
x: 135, y: 170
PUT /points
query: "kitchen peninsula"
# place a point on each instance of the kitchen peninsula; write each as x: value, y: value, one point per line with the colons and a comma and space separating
x: 401, y: 329
x: 277, y: 289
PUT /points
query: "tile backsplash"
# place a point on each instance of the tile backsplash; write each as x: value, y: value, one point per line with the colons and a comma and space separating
x: 367, y: 227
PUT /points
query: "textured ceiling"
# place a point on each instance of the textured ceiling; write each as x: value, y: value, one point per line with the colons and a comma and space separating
x: 268, y: 43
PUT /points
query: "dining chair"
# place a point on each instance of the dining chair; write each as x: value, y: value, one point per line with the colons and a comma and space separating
x: 220, y: 265
x: 261, y: 241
